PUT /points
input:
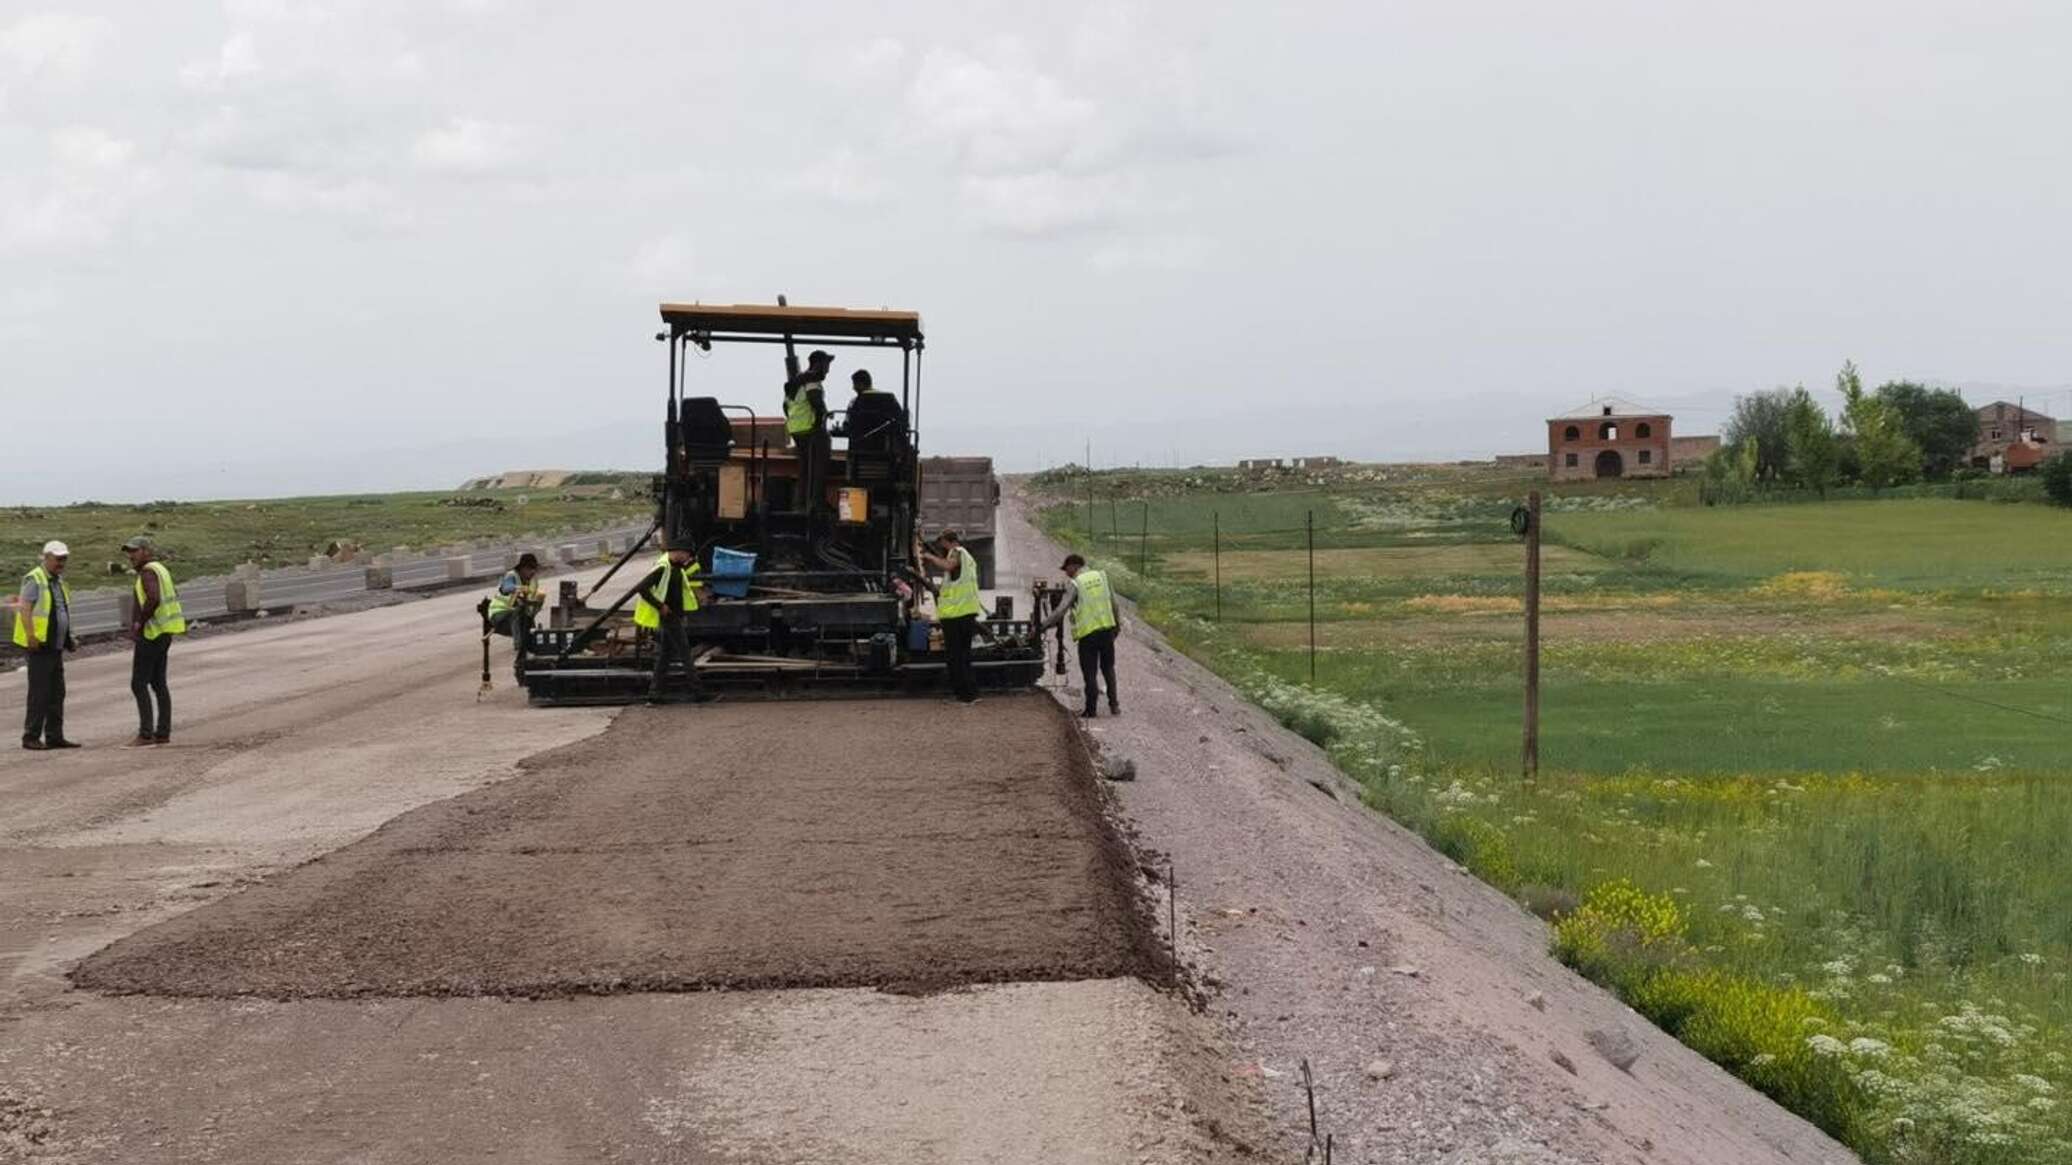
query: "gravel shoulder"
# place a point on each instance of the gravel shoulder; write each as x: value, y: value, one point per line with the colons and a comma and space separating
x: 1436, y: 1024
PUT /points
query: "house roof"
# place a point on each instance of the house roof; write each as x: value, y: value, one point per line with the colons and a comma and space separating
x: 2003, y: 408
x: 1607, y: 406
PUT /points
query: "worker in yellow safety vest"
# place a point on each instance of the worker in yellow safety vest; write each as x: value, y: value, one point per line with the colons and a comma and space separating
x: 43, y: 630
x: 517, y: 593
x: 957, y: 609
x: 665, y: 596
x: 1091, y: 607
x: 157, y: 619
x: 805, y: 422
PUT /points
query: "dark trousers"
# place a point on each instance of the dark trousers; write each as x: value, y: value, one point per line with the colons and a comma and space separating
x: 1097, y: 662
x: 956, y: 643
x: 147, y: 680
x: 672, y: 641
x: 815, y: 450
x: 46, y: 719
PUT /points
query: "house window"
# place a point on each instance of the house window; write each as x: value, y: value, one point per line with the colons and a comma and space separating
x: 1570, y: 461
x: 1608, y: 431
x: 1996, y: 434
x: 1647, y: 456
x: 1643, y: 429
x: 1571, y: 433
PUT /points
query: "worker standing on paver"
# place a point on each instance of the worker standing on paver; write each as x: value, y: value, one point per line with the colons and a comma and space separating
x: 43, y: 629
x: 957, y: 610
x: 157, y: 621
x: 666, y: 595
x: 805, y: 422
x: 517, y: 596
x: 1094, y: 627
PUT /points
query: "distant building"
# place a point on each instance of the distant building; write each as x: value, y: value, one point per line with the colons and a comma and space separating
x: 1608, y: 438
x: 2012, y: 439
x: 1263, y: 463
x: 1686, y: 450
x: 1318, y: 462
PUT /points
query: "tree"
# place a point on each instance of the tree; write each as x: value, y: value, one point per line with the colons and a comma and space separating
x: 1885, y: 455
x: 1758, y: 424
x: 2057, y: 479
x: 1816, y: 457
x: 1935, y: 419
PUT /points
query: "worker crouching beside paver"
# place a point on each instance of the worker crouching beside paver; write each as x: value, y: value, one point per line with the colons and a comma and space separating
x: 157, y: 621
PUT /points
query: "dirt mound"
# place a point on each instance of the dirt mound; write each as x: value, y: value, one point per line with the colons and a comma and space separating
x: 850, y: 843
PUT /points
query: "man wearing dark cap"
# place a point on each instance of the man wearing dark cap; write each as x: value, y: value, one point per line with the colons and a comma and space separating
x: 157, y: 620
x: 1094, y: 627
x: 517, y: 595
x: 805, y: 422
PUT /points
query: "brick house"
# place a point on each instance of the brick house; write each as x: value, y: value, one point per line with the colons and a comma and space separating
x: 1608, y: 438
x: 2001, y: 425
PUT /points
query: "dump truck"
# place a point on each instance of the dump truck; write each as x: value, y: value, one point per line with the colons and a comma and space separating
x: 961, y: 494
x: 803, y: 594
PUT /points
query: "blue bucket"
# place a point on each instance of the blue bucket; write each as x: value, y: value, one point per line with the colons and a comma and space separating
x: 732, y: 571
x: 917, y: 635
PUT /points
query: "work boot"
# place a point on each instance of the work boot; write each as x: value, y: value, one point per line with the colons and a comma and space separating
x: 161, y: 740
x: 1090, y: 714
x: 33, y: 744
x: 61, y: 743
x: 1114, y: 708
x: 139, y: 741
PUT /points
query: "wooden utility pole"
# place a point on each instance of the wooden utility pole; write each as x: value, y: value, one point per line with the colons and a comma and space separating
x: 1532, y: 636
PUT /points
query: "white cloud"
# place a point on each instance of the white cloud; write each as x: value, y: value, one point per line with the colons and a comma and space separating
x: 843, y: 177
x: 465, y: 145
x: 78, y: 201
x: 53, y: 42
x: 238, y: 57
x: 1001, y: 116
x: 88, y: 148
x: 1047, y: 202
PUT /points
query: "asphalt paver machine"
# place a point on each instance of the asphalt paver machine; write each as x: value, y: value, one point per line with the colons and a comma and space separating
x: 804, y: 595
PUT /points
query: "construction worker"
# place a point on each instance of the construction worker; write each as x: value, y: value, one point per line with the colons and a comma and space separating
x: 665, y: 596
x: 957, y: 610
x: 1094, y: 627
x: 805, y: 422
x: 43, y: 629
x: 516, y: 595
x: 157, y: 620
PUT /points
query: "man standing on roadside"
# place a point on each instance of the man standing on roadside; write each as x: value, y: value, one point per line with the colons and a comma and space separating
x: 957, y: 609
x: 43, y: 629
x: 157, y: 620
x: 1094, y: 627
x: 805, y: 422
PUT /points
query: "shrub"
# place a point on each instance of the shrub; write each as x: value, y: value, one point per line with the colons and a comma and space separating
x: 2057, y: 479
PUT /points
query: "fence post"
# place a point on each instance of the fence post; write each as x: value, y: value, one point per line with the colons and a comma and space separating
x: 1310, y: 528
x: 1532, y: 636
x: 1216, y: 525
x: 1144, y: 543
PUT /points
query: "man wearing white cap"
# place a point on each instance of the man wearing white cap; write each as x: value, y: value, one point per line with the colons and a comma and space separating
x: 43, y: 629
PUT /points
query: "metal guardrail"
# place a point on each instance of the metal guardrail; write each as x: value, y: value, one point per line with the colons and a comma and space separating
x: 100, y: 611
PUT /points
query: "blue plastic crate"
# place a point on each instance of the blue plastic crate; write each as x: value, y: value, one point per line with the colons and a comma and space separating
x: 732, y: 571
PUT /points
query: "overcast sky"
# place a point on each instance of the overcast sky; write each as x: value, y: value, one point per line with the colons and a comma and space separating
x: 264, y: 246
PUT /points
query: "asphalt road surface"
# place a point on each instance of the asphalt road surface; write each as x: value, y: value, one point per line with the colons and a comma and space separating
x: 482, y: 869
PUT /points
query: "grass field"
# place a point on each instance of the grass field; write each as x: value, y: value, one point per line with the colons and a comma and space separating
x: 1805, y: 767
x: 203, y: 538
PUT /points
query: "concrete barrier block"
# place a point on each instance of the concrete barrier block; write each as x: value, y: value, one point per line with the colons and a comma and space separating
x: 380, y: 578
x: 319, y: 562
x: 242, y: 596
x: 567, y: 554
x: 605, y: 549
x: 457, y: 567
x: 126, y: 607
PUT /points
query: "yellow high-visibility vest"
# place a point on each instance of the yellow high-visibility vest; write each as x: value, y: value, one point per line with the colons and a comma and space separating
x: 40, y: 617
x: 1095, y: 610
x: 168, y: 619
x: 500, y: 603
x: 959, y: 595
x: 647, y: 608
x: 798, y: 410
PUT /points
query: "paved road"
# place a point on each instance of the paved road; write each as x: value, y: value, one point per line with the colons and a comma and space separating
x: 99, y: 611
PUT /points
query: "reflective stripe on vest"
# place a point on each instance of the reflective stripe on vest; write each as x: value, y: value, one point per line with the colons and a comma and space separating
x: 1095, y: 610
x: 168, y: 619
x: 39, y: 618
x: 959, y: 595
x: 798, y: 409
x: 647, y: 606
x: 501, y: 603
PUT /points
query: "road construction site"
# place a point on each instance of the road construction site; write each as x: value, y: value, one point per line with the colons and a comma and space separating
x: 358, y: 914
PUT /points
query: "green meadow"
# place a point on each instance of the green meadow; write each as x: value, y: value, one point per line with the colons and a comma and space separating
x: 1803, y: 795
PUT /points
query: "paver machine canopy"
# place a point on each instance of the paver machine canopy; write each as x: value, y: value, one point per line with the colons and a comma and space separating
x: 817, y: 591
